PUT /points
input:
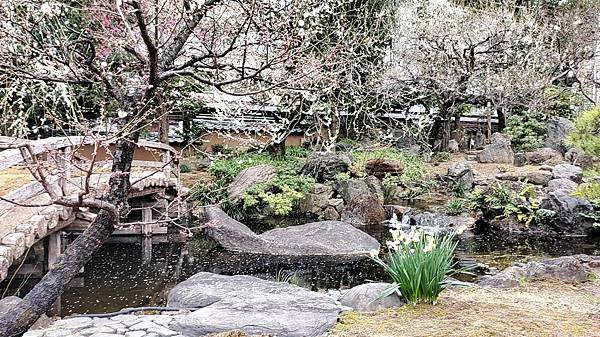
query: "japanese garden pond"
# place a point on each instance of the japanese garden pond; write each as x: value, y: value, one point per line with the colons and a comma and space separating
x: 118, y: 276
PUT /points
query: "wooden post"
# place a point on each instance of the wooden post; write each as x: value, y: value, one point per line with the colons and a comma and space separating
x: 167, y: 163
x: 147, y: 221
x: 63, y: 165
x: 146, y: 249
x: 54, y: 249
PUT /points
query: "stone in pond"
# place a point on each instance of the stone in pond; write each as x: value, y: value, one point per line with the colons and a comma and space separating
x: 364, y: 210
x: 367, y: 297
x: 325, y: 238
x: 569, y: 211
x: 252, y: 305
x: 576, y: 268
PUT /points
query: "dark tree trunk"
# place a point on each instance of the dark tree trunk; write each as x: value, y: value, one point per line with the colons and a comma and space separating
x: 41, y: 298
x: 164, y: 129
x: 501, y: 119
x: 163, y: 120
x: 436, y: 130
x: 457, y: 115
x: 278, y: 148
x: 439, y: 127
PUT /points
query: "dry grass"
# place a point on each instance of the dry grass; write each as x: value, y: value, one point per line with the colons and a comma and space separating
x: 546, y: 309
x: 190, y: 179
x: 481, y: 171
x: 13, y: 178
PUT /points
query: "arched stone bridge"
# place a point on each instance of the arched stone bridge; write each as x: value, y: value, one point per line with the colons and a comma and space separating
x: 154, y: 172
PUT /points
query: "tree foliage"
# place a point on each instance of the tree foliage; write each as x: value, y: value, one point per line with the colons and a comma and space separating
x: 501, y: 57
x: 586, y: 135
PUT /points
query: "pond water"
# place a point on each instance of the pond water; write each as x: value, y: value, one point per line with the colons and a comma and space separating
x: 119, y: 276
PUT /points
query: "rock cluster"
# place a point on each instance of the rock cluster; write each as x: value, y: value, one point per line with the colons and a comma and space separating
x: 576, y: 268
x: 355, y: 201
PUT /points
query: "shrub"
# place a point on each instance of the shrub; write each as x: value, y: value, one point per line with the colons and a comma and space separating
x: 586, y: 135
x: 280, y: 194
x: 501, y: 200
x: 229, y: 167
x: 342, y: 176
x: 590, y: 192
x: 416, y: 189
x: 459, y: 190
x: 183, y: 168
x: 442, y: 156
x: 455, y: 206
x: 419, y: 264
x: 287, y: 277
x: 526, y: 131
x: 564, y: 102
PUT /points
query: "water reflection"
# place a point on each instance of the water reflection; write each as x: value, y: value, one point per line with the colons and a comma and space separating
x: 128, y: 274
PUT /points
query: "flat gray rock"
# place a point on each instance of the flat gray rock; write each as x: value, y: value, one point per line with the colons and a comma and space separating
x: 252, y: 305
x: 561, y: 184
x: 568, y: 171
x: 325, y: 238
x: 367, y: 297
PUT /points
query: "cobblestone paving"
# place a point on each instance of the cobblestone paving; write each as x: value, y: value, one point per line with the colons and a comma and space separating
x: 118, y: 326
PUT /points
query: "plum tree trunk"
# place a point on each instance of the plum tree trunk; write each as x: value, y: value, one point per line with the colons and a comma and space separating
x: 41, y: 298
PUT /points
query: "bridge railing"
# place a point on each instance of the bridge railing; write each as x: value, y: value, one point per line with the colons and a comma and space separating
x: 64, y: 146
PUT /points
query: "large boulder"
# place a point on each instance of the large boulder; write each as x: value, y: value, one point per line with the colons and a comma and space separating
x: 365, y: 209
x: 367, y: 297
x: 317, y: 200
x: 579, y: 158
x: 569, y: 211
x: 375, y: 186
x: 325, y: 238
x: 325, y: 166
x: 568, y: 171
x: 557, y: 130
x: 461, y: 174
x: 576, y: 268
x: 248, y: 178
x: 382, y: 167
x: 499, y: 151
x: 251, y: 305
x: 561, y: 184
x: 351, y: 189
x: 544, y: 156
